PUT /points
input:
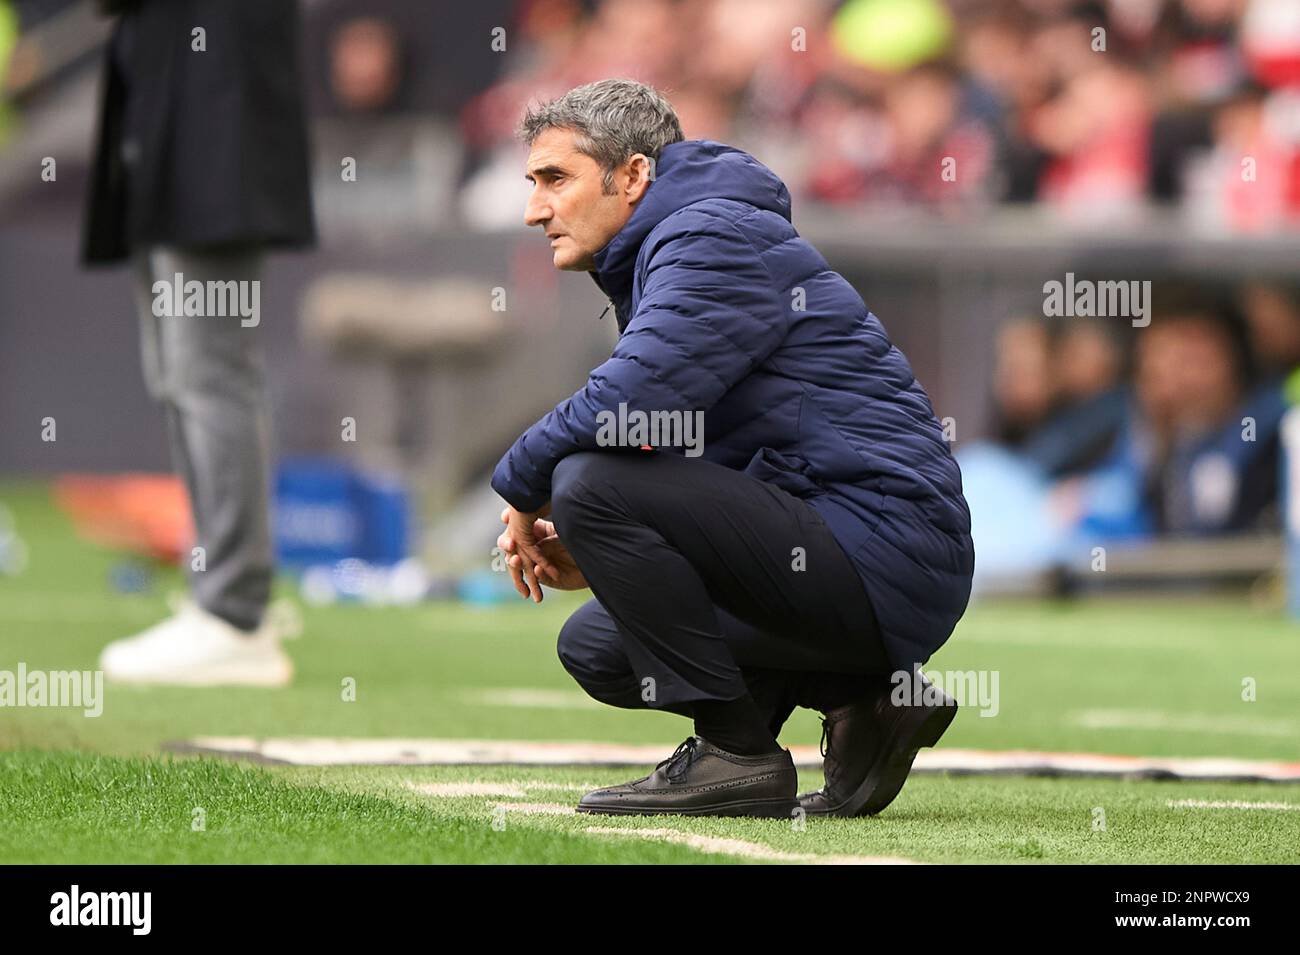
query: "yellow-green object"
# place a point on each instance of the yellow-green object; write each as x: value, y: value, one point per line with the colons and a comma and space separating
x: 8, y: 35
x: 1291, y: 388
x: 892, y: 35
x: 8, y: 40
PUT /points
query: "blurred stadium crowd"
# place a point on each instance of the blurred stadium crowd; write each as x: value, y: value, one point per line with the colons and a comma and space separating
x: 1084, y: 112
x: 1088, y: 107
x: 1093, y: 109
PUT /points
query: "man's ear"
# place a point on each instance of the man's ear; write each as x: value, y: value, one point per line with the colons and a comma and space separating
x: 640, y: 173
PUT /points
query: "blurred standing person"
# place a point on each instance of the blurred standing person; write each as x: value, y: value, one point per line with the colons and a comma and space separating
x: 201, y: 165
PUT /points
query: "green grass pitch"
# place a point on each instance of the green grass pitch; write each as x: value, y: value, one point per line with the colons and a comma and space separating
x: 1154, y: 678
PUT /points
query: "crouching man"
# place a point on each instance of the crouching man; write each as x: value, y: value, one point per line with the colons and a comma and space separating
x: 813, y: 544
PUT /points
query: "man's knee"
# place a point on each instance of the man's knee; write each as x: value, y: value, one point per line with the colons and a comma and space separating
x: 569, y: 647
x: 589, y: 649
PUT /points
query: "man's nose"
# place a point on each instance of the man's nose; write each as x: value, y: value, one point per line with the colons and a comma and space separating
x: 537, y: 211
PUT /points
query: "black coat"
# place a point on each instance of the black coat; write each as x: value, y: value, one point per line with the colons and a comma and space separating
x: 200, y: 149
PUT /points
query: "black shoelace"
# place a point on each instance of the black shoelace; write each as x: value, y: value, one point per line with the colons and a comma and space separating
x: 826, y: 738
x: 824, y: 746
x: 682, y: 755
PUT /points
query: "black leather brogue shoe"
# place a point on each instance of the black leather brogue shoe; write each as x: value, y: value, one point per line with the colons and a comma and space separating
x: 868, y: 747
x: 700, y: 779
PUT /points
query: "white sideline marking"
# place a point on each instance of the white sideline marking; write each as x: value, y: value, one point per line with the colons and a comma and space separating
x: 537, y: 808
x: 1229, y: 804
x: 710, y: 844
x: 1184, y: 722
x: 720, y: 845
x: 530, y: 698
x: 1029, y: 762
x: 513, y: 789
x: 453, y: 790
x: 713, y: 844
x: 325, y: 751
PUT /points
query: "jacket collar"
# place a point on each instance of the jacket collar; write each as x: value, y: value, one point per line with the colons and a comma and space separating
x: 687, y: 172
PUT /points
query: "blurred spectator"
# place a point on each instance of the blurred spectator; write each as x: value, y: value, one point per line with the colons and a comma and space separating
x: 916, y: 146
x: 365, y: 64
x: 1250, y: 181
x: 1272, y: 312
x: 1058, y: 395
x: 390, y: 161
x: 1200, y: 58
x: 1090, y: 401
x: 1200, y: 445
x: 1087, y: 361
x: 1022, y: 381
x: 1095, y: 135
x: 423, y: 58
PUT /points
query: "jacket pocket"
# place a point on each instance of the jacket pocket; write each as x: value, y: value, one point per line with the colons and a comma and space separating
x: 788, y: 472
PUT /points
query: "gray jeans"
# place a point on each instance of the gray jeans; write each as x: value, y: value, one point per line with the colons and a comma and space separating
x: 207, y: 372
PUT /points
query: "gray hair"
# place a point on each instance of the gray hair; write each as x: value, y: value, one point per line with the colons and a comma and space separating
x: 612, y: 121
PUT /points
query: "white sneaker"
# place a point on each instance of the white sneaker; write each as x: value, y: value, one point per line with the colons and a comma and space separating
x: 197, y: 648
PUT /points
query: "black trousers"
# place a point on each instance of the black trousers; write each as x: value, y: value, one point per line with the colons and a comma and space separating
x: 709, y: 584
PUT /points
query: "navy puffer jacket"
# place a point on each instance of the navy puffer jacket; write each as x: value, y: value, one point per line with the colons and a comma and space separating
x: 723, y: 308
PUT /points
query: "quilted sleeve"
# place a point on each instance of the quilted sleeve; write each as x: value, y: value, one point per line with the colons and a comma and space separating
x: 709, y: 314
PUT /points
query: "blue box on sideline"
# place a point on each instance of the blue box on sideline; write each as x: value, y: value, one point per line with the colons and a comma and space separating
x: 327, y: 511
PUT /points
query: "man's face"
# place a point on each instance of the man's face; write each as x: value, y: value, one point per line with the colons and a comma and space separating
x: 1185, y: 373
x: 568, y: 203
